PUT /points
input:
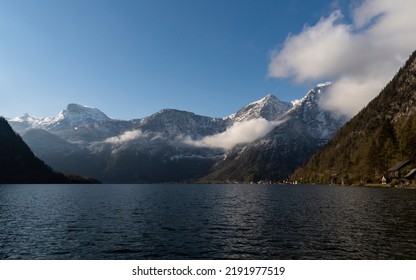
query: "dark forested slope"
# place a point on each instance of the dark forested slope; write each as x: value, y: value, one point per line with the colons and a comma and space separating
x: 19, y: 165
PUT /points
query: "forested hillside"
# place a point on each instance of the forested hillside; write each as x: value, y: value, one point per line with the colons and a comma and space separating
x: 380, y: 136
x: 19, y: 165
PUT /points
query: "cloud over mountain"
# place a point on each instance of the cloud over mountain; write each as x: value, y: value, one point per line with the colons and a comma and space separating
x: 360, y: 56
x: 125, y: 137
x: 239, y: 133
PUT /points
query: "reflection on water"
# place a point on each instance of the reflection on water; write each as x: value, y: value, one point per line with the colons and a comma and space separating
x: 206, y: 222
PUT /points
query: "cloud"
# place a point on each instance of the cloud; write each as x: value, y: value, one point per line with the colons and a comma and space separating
x: 125, y: 137
x: 239, y: 133
x: 360, y: 57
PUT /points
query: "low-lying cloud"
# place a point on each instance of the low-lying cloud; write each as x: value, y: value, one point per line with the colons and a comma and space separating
x: 360, y: 57
x: 125, y: 137
x: 239, y: 133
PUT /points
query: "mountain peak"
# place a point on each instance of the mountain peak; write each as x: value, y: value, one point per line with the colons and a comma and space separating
x: 269, y: 108
x: 321, y: 85
x: 312, y: 95
x: 75, y: 107
x: 268, y: 98
x: 77, y: 112
x: 24, y: 118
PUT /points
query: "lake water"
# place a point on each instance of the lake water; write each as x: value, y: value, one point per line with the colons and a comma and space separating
x: 206, y: 222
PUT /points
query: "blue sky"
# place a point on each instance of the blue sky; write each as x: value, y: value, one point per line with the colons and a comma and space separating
x: 133, y: 58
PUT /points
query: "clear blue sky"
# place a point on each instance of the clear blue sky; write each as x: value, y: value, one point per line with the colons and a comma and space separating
x: 131, y: 58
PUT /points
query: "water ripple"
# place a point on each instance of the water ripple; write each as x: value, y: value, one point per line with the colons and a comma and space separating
x: 206, y: 222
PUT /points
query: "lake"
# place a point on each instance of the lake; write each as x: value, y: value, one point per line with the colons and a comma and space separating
x: 206, y: 222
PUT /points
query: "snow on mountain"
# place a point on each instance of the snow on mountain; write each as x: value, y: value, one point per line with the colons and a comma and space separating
x: 23, y: 123
x: 76, y: 124
x: 321, y: 124
x: 30, y: 120
x: 305, y: 128
x: 74, y: 115
x: 311, y: 94
x: 71, y: 116
x: 141, y: 150
x: 175, y: 123
x: 269, y: 108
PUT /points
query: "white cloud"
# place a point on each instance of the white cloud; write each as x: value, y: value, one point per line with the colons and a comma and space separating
x: 305, y: 56
x: 360, y: 57
x: 239, y: 133
x: 125, y: 137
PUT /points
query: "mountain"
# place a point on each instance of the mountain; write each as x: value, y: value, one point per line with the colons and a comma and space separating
x: 173, y: 123
x: 378, y: 137
x: 75, y: 115
x: 166, y: 146
x: 305, y: 128
x: 269, y: 108
x: 74, y: 123
x: 19, y: 165
x: 72, y: 116
x: 62, y: 155
x: 85, y: 141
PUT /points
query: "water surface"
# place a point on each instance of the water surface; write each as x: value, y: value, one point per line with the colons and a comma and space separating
x: 206, y: 222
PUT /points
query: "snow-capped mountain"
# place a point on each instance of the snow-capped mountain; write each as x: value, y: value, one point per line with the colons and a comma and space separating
x: 23, y: 123
x: 72, y: 116
x: 30, y: 121
x: 269, y: 108
x: 318, y: 123
x: 75, y: 114
x: 173, y: 123
x: 289, y: 145
x: 85, y: 141
x: 76, y: 123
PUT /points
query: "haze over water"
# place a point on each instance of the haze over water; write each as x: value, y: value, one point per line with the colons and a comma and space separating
x: 206, y: 222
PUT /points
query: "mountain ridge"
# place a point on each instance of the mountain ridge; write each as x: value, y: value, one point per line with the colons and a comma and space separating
x: 274, y: 157
x: 269, y: 108
x: 167, y: 146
